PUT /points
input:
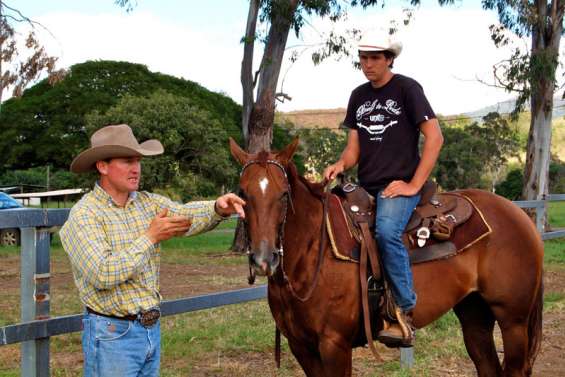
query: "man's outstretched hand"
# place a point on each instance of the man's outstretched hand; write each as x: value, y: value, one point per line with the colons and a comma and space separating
x: 229, y: 204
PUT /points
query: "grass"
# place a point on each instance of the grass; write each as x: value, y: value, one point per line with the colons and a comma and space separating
x: 555, y: 252
x: 237, y: 340
x: 556, y: 214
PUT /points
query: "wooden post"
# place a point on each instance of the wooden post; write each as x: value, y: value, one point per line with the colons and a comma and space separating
x: 35, y: 299
x: 407, y: 357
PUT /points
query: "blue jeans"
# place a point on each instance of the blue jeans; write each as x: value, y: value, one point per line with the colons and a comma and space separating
x: 119, y: 348
x: 391, y: 219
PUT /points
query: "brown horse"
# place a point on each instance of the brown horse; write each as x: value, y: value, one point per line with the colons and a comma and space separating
x: 315, y: 298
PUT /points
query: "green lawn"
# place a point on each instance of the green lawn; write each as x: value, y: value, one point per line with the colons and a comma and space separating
x: 556, y: 214
x: 238, y: 340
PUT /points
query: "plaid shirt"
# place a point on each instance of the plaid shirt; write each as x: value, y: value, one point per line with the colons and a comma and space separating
x: 115, y: 266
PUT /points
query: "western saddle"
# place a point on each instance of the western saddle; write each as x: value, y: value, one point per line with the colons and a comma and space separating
x: 427, y: 234
x: 350, y: 222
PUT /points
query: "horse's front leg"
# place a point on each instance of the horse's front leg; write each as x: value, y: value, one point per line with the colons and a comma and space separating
x: 332, y: 359
x: 308, y: 358
x: 336, y: 357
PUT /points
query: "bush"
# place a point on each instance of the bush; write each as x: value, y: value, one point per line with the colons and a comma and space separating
x: 196, y: 162
x: 557, y: 177
x: 511, y: 187
x: 59, y: 179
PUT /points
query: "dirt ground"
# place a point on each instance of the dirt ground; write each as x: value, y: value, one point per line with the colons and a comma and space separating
x: 201, y: 279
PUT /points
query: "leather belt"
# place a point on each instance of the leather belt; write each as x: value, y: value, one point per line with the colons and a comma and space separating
x: 147, y: 318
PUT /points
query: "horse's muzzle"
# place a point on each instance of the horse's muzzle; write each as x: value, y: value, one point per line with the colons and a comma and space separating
x: 265, y: 263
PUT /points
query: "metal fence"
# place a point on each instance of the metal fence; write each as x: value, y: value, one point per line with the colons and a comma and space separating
x: 37, y: 327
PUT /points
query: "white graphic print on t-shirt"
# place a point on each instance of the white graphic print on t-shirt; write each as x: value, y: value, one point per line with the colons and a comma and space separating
x: 375, y: 114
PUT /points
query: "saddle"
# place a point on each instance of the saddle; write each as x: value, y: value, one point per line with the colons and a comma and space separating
x: 429, y: 235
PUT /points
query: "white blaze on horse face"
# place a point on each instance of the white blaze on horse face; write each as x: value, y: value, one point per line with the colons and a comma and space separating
x: 263, y: 183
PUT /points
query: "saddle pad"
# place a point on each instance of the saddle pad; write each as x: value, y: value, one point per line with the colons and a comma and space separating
x: 345, y: 245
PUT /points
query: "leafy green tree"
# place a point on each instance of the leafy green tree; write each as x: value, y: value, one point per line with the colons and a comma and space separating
x: 459, y: 165
x: 511, y: 187
x: 474, y: 150
x: 320, y: 147
x: 284, y: 134
x: 38, y: 176
x: 47, y: 126
x: 557, y: 177
x: 532, y: 74
x: 497, y: 141
x: 260, y: 88
x: 196, y: 162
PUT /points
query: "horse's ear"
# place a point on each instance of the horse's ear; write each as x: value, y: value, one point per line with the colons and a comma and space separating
x: 239, y: 154
x: 286, y: 154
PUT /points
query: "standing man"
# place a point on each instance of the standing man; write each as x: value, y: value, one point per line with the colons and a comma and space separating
x: 385, y: 117
x: 113, y: 238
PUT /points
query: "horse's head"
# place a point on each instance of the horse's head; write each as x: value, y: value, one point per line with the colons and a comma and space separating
x: 265, y: 187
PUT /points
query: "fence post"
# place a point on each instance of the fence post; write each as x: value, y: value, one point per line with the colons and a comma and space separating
x: 540, y: 216
x: 406, y: 357
x: 34, y: 304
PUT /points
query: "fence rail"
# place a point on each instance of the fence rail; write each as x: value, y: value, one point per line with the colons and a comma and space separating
x: 540, y: 206
x: 72, y: 323
x: 36, y: 327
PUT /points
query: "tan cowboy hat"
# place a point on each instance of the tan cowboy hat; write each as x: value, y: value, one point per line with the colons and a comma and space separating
x: 113, y: 142
x: 379, y: 40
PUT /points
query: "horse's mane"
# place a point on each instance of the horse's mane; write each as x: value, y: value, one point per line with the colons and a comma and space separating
x: 315, y: 188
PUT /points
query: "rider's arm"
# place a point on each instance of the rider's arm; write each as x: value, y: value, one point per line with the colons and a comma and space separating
x: 349, y: 156
x: 430, y: 152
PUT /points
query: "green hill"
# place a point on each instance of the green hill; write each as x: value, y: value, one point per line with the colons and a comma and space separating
x: 47, y: 124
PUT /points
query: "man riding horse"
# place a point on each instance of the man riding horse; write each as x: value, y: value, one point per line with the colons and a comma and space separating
x: 389, y: 164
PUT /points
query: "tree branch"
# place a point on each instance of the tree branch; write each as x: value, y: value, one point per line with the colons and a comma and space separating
x: 282, y: 96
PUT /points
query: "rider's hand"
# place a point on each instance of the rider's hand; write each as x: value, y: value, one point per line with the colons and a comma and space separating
x: 333, y: 170
x: 400, y: 188
x: 162, y: 227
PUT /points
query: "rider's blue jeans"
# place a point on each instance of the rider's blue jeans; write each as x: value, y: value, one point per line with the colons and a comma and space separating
x: 120, y: 348
x: 391, y: 219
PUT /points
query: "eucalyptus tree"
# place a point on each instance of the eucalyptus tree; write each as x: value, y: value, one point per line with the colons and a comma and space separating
x: 533, y: 75
x: 17, y: 70
x: 260, y: 87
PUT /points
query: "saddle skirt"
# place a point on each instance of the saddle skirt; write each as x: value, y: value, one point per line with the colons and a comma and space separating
x: 441, y: 226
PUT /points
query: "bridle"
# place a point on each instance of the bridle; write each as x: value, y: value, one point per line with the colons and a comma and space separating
x: 286, y: 199
x: 280, y: 251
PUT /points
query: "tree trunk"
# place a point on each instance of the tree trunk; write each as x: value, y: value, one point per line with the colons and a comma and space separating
x: 263, y: 112
x: 247, y: 81
x: 258, y: 119
x: 546, y: 36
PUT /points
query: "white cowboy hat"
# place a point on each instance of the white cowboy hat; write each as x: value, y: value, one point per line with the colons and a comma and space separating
x: 378, y: 40
x: 113, y: 142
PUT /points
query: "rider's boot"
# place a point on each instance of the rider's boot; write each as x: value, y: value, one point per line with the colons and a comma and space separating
x: 400, y: 333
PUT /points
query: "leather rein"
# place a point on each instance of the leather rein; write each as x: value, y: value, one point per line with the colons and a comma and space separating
x: 280, y: 250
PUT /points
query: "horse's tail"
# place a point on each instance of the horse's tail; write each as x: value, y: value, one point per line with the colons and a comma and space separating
x: 535, y: 328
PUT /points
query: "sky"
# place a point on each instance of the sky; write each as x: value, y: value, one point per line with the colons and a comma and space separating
x: 446, y: 49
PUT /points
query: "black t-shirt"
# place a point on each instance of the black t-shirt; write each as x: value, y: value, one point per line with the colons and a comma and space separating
x: 387, y: 120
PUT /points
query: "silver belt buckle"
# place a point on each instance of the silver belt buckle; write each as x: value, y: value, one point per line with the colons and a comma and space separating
x: 149, y: 317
